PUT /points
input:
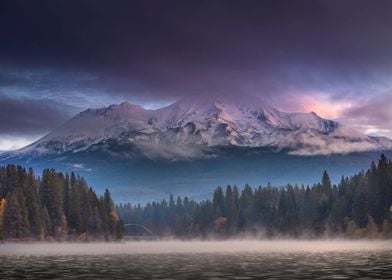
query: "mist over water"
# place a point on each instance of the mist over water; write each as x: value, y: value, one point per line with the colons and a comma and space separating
x: 234, y: 259
x: 185, y: 247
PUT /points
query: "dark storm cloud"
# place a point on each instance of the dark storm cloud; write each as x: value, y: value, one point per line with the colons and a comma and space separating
x: 172, y: 48
x: 30, y: 117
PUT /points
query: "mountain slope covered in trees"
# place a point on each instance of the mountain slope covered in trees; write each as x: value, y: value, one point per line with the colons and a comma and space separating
x: 359, y: 206
x: 55, y: 206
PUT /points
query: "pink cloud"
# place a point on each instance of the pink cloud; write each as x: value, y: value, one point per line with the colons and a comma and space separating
x: 317, y: 102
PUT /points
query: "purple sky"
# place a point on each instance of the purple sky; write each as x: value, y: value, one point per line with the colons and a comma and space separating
x: 60, y: 57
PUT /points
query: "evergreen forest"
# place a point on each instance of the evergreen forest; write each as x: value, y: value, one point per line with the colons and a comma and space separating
x: 62, y: 207
x: 54, y: 207
x: 357, y: 207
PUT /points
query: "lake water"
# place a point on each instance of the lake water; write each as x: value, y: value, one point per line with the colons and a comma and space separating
x: 199, y: 260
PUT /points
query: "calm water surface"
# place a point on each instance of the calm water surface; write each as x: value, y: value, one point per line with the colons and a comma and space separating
x: 198, y: 260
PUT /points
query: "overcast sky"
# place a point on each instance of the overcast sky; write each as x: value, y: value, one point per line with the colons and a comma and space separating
x: 60, y: 57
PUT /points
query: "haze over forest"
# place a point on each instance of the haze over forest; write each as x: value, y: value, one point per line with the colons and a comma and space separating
x: 148, y: 99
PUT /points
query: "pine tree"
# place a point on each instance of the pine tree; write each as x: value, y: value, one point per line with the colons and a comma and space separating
x: 33, y: 205
x: 218, y: 202
x: 66, y: 192
x: 75, y: 207
x: 2, y: 210
x: 326, y: 181
x: 46, y: 222
x: 13, y: 223
x: 24, y: 230
x: 110, y: 213
x: 52, y: 187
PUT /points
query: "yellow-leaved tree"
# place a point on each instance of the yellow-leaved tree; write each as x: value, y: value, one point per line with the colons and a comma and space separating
x: 2, y: 209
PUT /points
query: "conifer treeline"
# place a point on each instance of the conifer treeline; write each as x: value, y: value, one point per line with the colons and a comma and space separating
x: 57, y: 206
x: 359, y: 206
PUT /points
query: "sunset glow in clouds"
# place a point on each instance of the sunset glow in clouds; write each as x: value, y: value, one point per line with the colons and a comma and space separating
x: 319, y: 103
x: 321, y: 56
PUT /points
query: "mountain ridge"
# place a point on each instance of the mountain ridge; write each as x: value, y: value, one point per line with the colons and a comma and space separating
x: 193, y: 145
x: 202, y: 123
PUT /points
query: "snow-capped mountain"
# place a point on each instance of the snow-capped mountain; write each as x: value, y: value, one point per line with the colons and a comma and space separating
x: 196, y: 144
x: 191, y: 125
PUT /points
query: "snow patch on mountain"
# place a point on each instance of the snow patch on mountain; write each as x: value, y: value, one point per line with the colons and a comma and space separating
x: 189, y: 127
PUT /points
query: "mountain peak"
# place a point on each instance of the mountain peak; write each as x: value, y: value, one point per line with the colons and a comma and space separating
x: 231, y: 106
x: 212, y: 121
x: 125, y: 105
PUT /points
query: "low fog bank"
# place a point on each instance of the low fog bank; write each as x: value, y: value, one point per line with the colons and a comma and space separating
x: 176, y: 246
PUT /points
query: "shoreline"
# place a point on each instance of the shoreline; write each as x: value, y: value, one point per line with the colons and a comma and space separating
x: 186, y: 247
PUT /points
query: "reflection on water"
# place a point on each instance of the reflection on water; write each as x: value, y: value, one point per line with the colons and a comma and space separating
x: 198, y: 260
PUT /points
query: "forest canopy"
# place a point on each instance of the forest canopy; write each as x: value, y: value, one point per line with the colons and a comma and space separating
x: 55, y: 206
x: 63, y: 207
x: 359, y: 206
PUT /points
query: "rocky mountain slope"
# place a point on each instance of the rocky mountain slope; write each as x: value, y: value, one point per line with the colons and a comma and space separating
x: 192, y: 126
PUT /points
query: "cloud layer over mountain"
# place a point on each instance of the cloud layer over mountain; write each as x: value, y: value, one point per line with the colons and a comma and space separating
x: 332, y: 57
